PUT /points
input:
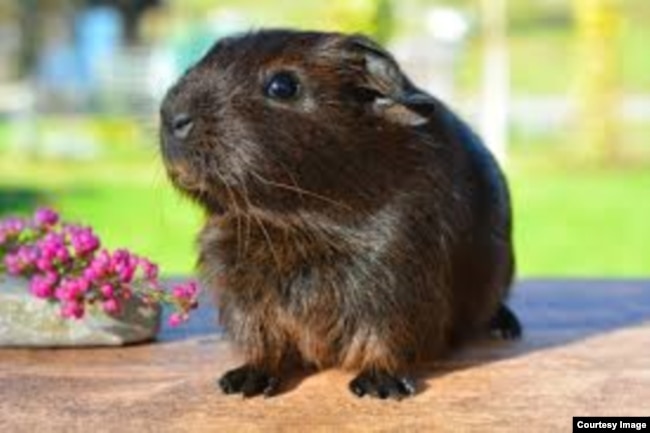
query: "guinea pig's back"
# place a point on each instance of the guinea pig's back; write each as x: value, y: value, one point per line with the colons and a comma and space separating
x: 483, y: 265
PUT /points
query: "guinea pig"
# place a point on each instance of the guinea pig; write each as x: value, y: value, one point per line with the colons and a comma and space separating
x: 352, y: 219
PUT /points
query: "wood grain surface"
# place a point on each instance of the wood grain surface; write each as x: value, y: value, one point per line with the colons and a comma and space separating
x: 586, y: 351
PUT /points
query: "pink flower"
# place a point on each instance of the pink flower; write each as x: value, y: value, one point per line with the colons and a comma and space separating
x: 178, y: 292
x: 27, y: 255
x: 103, y: 259
x: 176, y: 319
x: 72, y: 289
x: 121, y: 256
x: 45, y: 217
x: 45, y: 264
x: 52, y: 245
x: 187, y: 290
x: 99, y: 267
x: 124, y: 264
x: 111, y: 306
x: 12, y: 264
x: 62, y: 255
x: 83, y: 240
x: 83, y: 284
x: 64, y: 264
x: 42, y: 286
x: 21, y: 261
x: 13, y: 226
x: 186, y: 296
x: 107, y: 291
x: 126, y: 274
x: 149, y: 269
x: 72, y: 310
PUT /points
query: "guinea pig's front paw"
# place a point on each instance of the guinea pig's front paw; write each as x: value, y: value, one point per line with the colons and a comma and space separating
x: 505, y: 324
x: 382, y: 385
x: 249, y: 381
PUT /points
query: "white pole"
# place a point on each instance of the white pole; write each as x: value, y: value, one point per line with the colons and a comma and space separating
x: 496, y: 77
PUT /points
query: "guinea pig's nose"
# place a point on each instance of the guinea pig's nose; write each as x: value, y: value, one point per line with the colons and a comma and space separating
x: 181, y: 125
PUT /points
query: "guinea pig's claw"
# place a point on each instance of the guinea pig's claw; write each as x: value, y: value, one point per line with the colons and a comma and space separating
x: 505, y: 324
x: 248, y: 381
x: 382, y: 385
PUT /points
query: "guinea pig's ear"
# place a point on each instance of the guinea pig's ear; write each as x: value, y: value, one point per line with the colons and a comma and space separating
x: 391, y: 93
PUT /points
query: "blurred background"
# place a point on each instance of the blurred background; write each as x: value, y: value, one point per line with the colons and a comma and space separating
x: 560, y: 90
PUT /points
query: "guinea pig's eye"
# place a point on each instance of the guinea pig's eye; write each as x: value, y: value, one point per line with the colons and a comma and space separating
x: 283, y: 86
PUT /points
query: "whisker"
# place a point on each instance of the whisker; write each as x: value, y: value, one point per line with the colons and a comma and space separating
x: 251, y: 214
x: 269, y: 242
x: 316, y: 233
x: 238, y: 211
x: 299, y: 190
x: 246, y: 197
x: 291, y: 176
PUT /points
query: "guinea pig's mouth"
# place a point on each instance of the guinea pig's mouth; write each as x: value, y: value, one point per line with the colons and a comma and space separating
x: 194, y: 186
x: 183, y: 178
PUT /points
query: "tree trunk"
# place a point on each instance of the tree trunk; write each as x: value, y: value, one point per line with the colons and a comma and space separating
x: 29, y: 15
x: 496, y: 77
x: 597, y: 75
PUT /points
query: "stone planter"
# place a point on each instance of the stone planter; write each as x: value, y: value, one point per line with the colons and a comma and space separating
x: 26, y: 321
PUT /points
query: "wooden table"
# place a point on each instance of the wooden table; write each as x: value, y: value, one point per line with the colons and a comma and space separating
x: 586, y: 351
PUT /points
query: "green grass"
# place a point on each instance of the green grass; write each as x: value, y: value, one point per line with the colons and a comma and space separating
x: 586, y: 222
x: 578, y: 217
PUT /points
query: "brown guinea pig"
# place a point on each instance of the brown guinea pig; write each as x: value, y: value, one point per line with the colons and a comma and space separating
x: 352, y: 219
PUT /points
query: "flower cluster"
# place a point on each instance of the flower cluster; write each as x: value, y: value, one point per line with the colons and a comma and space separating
x: 65, y: 263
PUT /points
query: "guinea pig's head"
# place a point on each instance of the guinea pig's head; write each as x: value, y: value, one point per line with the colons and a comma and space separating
x: 281, y: 120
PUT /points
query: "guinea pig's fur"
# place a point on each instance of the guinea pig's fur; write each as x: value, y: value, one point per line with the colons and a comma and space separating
x: 356, y: 223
